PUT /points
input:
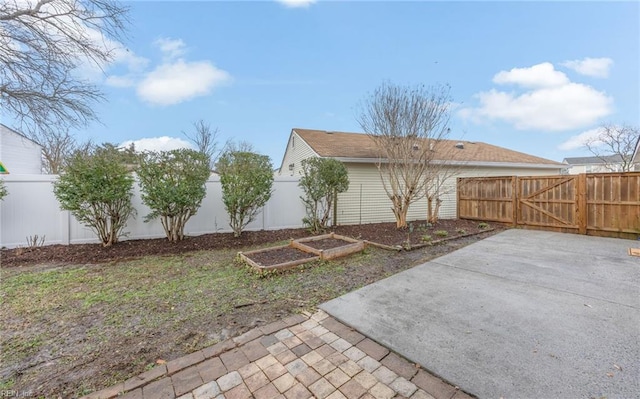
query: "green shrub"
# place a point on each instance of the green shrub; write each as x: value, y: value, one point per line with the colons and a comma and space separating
x: 172, y: 184
x: 441, y: 233
x: 426, y: 238
x: 97, y: 191
x: 483, y: 225
x: 247, y: 179
x: 3, y: 190
x: 461, y: 231
x: 322, y: 179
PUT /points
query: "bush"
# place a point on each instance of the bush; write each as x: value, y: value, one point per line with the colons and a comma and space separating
x: 173, y: 186
x: 97, y: 191
x: 247, y: 179
x: 441, y: 233
x: 322, y: 179
x: 3, y: 190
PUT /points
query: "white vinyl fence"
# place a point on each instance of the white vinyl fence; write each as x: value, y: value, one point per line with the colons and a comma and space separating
x: 32, y: 209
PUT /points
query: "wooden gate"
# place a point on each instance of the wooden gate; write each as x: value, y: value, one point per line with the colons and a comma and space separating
x: 550, y: 201
x: 597, y: 204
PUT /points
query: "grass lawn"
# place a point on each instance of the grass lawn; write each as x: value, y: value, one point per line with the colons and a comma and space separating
x: 71, y: 330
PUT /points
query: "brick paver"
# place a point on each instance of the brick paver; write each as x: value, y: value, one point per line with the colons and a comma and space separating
x: 299, y: 357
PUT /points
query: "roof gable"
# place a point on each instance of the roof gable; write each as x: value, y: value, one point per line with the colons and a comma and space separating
x: 7, y: 129
x: 361, y: 146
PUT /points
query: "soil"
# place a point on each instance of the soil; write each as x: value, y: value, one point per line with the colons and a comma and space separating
x: 78, y: 350
x: 326, y: 243
x: 381, y: 233
x: 280, y: 255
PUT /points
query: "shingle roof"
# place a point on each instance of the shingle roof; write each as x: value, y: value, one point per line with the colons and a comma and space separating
x: 361, y: 146
x: 594, y: 160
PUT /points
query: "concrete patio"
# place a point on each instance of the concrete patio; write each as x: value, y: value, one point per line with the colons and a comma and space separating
x: 522, y: 314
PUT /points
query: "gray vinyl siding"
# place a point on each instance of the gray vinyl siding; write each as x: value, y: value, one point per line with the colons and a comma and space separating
x: 297, y: 150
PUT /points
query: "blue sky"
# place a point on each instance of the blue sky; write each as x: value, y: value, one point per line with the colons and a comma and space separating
x: 533, y: 77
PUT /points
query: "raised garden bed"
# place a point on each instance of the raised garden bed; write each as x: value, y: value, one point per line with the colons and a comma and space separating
x: 300, y: 251
x: 277, y: 258
x: 329, y: 246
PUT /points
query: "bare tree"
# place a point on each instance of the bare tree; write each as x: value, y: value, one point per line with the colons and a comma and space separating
x: 439, y: 178
x: 205, y: 139
x: 57, y: 146
x: 408, y: 125
x: 614, y: 145
x: 43, y: 43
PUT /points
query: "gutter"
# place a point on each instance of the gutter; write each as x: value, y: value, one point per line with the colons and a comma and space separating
x: 463, y: 163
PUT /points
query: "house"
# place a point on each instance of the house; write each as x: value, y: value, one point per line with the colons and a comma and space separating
x: 635, y: 159
x: 366, y: 200
x: 609, y: 163
x: 18, y: 153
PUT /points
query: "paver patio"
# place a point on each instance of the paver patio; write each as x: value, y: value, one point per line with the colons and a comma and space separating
x: 300, y: 357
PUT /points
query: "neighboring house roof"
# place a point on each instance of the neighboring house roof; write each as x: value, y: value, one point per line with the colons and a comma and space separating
x: 636, y: 156
x: 609, y: 159
x: 360, y: 147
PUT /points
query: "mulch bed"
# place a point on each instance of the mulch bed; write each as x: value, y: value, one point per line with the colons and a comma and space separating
x: 382, y: 233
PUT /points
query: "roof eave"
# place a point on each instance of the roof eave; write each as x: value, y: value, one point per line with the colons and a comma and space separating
x: 465, y: 163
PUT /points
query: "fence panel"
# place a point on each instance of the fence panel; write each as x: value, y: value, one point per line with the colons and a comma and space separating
x: 32, y: 209
x: 613, y: 202
x: 606, y: 204
x: 486, y: 198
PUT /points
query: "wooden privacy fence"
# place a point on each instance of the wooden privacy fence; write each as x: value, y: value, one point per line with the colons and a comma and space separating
x: 605, y: 204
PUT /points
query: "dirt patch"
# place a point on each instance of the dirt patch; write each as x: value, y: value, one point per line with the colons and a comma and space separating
x: 81, y: 318
x: 277, y: 256
x: 326, y: 243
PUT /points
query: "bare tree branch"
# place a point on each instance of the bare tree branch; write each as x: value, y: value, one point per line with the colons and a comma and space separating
x: 206, y: 140
x: 42, y: 45
x: 617, y: 141
x: 409, y: 126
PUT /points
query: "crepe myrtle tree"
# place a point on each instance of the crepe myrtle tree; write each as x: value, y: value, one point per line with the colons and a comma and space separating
x: 97, y: 191
x: 322, y: 179
x: 172, y: 184
x: 407, y: 124
x: 247, y: 180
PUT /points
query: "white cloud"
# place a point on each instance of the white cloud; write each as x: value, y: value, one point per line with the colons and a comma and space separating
x: 541, y: 75
x: 120, y: 81
x: 579, y: 140
x: 296, y: 3
x: 549, y: 102
x: 595, y: 67
x: 163, y: 143
x: 171, y: 48
x: 173, y: 83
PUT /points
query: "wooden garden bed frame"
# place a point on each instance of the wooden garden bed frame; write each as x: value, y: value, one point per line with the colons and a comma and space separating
x: 330, y: 253
x: 351, y: 247
x: 280, y: 266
